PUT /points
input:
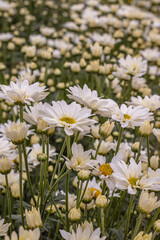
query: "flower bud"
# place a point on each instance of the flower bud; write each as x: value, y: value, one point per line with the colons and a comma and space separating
x: 88, y: 196
x: 146, y: 129
x: 50, y: 169
x: 74, y: 214
x: 95, y: 131
x: 33, y: 218
x: 15, y: 190
x: 83, y: 175
x: 41, y: 157
x: 106, y: 129
x: 5, y: 166
x: 157, y: 225
x: 135, y: 147
x: 154, y: 162
x: 101, y: 201
x: 41, y: 125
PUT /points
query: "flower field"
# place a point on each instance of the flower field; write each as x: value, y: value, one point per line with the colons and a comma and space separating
x: 80, y: 120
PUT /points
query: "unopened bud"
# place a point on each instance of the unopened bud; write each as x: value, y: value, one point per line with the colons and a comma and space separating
x: 74, y: 214
x: 83, y: 175
x: 41, y: 157
x: 101, y: 201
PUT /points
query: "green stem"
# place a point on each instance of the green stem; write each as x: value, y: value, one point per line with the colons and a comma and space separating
x: 128, y: 216
x: 28, y: 174
x: 67, y: 191
x: 99, y: 144
x: 116, y: 208
x: 79, y: 193
x: 20, y: 183
x: 52, y: 188
x: 57, y: 162
x: 139, y: 149
x: 148, y: 154
x: 41, y: 186
x: 153, y: 220
x: 9, y: 202
x: 83, y: 193
x: 138, y: 223
x: 21, y: 112
x: 102, y: 221
x: 57, y: 230
x: 119, y: 140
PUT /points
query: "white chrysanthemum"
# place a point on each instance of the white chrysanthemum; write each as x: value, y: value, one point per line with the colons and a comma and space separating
x: 104, y: 170
x: 16, y: 132
x: 148, y: 202
x: 82, y: 233
x: 125, y: 149
x: 80, y: 159
x: 153, y: 102
x: 5, y: 37
x: 138, y: 83
x: 23, y: 93
x: 25, y: 234
x: 3, y: 228
x: 151, y: 54
x: 133, y: 66
x: 90, y: 99
x: 37, y: 39
x: 132, y: 117
x: 12, y: 178
x: 94, y: 187
x: 5, y: 146
x: 104, y: 148
x: 33, y: 218
x: 142, y: 236
x: 126, y: 176
x: 156, y: 132
x: 32, y: 116
x: 71, y: 117
x: 36, y: 149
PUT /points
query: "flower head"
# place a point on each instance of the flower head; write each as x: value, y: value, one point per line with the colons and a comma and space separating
x: 148, y: 202
x: 84, y: 232
x: 71, y: 117
x: 16, y: 132
x: 23, y: 93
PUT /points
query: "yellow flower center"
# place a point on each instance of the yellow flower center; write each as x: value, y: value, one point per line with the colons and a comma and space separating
x: 132, y: 181
x: 95, y: 191
x: 68, y: 120
x: 126, y: 116
x: 105, y: 169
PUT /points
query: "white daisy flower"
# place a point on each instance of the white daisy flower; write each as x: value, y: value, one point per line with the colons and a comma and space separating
x: 82, y: 233
x: 151, y: 54
x: 23, y: 93
x: 90, y: 99
x: 104, y: 170
x: 80, y: 159
x: 25, y: 234
x: 133, y: 66
x: 156, y: 132
x: 148, y: 202
x: 94, y: 186
x: 104, y: 148
x: 153, y: 102
x: 16, y: 132
x: 3, y: 228
x: 12, y: 178
x: 71, y: 117
x: 132, y: 117
x: 126, y: 176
